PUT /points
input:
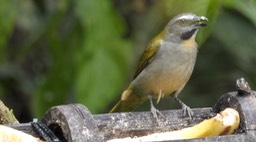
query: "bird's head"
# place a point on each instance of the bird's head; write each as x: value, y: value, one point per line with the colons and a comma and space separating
x: 184, y: 26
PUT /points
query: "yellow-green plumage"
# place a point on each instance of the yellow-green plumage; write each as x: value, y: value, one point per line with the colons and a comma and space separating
x: 132, y: 101
x: 149, y: 53
x: 127, y: 105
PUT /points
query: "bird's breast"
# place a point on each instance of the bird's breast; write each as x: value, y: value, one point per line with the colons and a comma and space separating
x: 170, y: 70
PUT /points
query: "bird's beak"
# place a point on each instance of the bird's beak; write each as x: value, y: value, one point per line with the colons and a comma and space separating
x: 201, y: 21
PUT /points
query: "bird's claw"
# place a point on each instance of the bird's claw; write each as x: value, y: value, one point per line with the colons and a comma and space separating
x: 155, y: 112
x: 187, y: 111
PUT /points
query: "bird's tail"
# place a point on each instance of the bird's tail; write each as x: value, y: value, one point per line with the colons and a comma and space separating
x: 128, y: 102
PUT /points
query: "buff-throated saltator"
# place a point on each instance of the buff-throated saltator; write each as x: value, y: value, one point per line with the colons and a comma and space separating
x: 165, y: 65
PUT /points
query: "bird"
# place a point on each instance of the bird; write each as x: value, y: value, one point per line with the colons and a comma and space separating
x: 165, y: 65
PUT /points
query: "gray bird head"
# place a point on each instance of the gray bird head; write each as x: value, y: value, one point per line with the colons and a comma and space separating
x: 185, y: 26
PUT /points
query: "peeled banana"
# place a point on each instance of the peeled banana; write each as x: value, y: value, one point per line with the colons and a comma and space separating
x: 224, y: 123
x: 8, y: 134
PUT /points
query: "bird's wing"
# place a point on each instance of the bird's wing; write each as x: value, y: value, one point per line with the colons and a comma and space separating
x: 149, y: 54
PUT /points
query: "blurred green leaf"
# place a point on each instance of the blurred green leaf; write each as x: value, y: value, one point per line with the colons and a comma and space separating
x: 104, y: 57
x: 55, y: 87
x: 174, y: 7
x: 211, y: 13
x: 8, y: 19
x: 246, y: 7
x: 240, y: 42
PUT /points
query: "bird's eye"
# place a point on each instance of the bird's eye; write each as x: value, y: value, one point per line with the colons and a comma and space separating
x: 181, y: 22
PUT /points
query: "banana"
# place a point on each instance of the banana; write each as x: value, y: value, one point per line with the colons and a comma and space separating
x: 8, y: 134
x: 224, y: 123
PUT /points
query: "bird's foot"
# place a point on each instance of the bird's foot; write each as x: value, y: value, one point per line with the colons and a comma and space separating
x: 155, y: 112
x: 187, y: 111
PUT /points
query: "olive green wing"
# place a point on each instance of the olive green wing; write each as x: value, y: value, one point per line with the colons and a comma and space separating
x: 148, y: 54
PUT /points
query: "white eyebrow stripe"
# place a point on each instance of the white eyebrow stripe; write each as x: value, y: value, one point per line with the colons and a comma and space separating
x: 188, y: 17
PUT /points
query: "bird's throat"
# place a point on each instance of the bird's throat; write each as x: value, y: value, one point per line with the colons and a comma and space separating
x: 189, y: 43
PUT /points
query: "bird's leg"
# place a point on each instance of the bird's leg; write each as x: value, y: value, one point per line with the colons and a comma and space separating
x: 154, y: 111
x: 186, y: 109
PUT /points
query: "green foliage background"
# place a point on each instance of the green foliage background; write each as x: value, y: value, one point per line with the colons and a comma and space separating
x: 85, y: 51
